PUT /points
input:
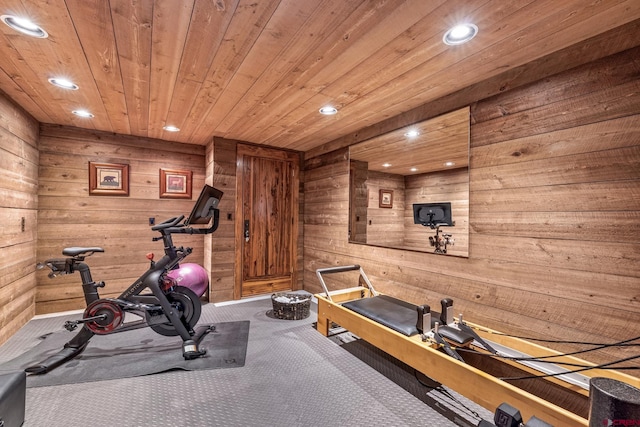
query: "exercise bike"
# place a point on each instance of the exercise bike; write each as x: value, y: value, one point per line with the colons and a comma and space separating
x: 162, y: 304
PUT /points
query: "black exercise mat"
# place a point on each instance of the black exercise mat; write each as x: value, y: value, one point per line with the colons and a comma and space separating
x: 133, y: 353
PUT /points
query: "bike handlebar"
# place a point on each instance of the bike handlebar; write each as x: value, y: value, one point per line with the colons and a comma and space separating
x: 172, y: 222
x: 173, y: 226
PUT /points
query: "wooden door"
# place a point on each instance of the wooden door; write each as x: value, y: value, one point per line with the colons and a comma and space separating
x: 267, y: 220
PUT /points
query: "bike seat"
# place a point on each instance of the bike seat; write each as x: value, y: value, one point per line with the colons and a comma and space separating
x: 75, y: 251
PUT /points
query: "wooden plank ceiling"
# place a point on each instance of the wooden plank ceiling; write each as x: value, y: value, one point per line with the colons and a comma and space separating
x: 259, y: 71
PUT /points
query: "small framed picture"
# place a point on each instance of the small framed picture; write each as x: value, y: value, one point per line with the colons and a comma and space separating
x: 386, y: 199
x: 175, y: 184
x: 108, y: 179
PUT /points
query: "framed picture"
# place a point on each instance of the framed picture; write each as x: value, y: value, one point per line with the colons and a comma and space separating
x: 386, y: 199
x: 175, y: 184
x: 108, y: 179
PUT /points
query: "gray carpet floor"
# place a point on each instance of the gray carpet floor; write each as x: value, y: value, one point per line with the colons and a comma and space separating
x: 293, y: 376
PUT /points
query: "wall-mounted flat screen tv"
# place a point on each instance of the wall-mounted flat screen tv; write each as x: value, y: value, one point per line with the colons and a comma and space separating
x: 432, y: 214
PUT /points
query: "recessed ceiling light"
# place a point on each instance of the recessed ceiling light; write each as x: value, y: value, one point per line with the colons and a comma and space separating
x: 170, y: 128
x: 82, y: 113
x: 449, y: 164
x: 414, y: 169
x: 25, y: 26
x: 460, y: 34
x: 63, y: 83
x: 386, y: 165
x: 328, y: 110
x: 412, y: 133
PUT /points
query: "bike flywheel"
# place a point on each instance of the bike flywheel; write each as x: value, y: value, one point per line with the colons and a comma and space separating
x: 112, y: 314
x: 189, y: 308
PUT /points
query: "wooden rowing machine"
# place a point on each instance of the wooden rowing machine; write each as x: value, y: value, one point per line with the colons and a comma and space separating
x: 422, y: 350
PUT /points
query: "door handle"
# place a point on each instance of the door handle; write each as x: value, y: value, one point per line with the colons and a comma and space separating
x: 246, y: 230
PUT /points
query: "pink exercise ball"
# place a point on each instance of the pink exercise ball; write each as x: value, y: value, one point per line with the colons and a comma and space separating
x: 191, y: 276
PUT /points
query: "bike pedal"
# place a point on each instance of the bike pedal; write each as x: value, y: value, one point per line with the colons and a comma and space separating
x: 70, y: 325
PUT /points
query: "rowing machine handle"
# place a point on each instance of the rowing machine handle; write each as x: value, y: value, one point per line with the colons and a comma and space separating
x: 424, y: 318
x: 446, y: 313
x: 339, y: 269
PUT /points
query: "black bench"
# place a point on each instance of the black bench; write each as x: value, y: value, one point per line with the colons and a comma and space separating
x: 403, y: 317
x: 13, y: 387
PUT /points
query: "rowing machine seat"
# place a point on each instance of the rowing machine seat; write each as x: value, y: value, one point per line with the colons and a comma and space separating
x: 401, y: 317
x: 388, y: 311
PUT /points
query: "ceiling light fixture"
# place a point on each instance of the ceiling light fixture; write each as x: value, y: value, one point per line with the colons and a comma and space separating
x: 63, y: 83
x: 82, y: 113
x: 412, y: 133
x: 328, y: 110
x: 460, y: 34
x: 386, y: 165
x: 449, y: 164
x: 414, y: 169
x: 170, y: 128
x: 25, y: 26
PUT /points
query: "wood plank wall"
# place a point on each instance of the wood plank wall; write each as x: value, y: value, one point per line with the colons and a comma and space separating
x: 385, y: 226
x: 69, y: 216
x: 221, y: 173
x: 554, y: 211
x: 18, y: 213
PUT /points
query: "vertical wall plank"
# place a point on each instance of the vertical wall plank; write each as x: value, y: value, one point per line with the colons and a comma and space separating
x: 222, y: 175
x: 18, y: 215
